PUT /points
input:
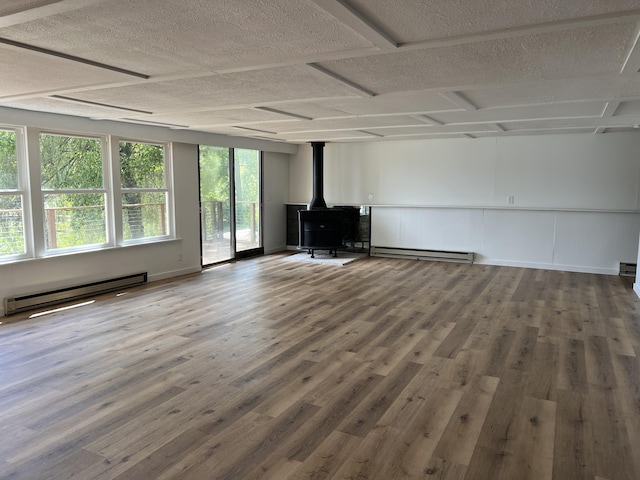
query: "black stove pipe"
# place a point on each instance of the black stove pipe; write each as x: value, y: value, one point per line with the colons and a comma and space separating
x: 317, y: 202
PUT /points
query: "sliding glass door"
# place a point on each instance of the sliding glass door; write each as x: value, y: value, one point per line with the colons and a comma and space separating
x: 215, y: 205
x: 229, y: 229
x: 247, y: 196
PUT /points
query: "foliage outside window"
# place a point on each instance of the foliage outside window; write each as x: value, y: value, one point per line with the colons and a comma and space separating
x: 247, y: 184
x: 12, y: 234
x: 144, y: 190
x: 215, y: 193
x: 73, y: 191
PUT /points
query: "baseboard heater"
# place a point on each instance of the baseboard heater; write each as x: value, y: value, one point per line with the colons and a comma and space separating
x: 438, y: 255
x: 54, y: 297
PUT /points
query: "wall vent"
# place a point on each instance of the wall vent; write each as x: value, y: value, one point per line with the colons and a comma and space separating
x: 437, y: 255
x: 54, y: 297
x: 627, y: 269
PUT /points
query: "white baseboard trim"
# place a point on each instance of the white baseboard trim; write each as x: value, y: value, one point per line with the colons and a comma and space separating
x: 548, y: 266
x: 636, y: 288
x: 172, y: 273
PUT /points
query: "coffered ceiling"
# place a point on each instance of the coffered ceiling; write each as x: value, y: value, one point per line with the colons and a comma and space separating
x: 337, y: 70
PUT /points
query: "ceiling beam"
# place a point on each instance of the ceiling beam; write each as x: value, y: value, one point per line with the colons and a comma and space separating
x: 524, y: 30
x: 428, y: 119
x: 282, y: 112
x: 632, y: 62
x: 459, y: 100
x: 370, y: 133
x: 239, y: 127
x: 42, y: 9
x: 98, y: 104
x: 361, y: 91
x: 72, y: 58
x: 348, y: 15
x: 610, y: 109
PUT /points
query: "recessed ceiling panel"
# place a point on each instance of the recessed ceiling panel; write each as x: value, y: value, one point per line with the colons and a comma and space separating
x: 402, y: 102
x: 353, y: 123
x: 415, y: 21
x: 160, y: 36
x: 317, y: 109
x: 327, y: 136
x: 27, y: 72
x: 584, y: 51
x: 217, y: 117
x: 255, y: 87
x: 434, y: 130
x: 8, y: 7
x: 556, y: 110
x: 52, y: 105
x: 622, y: 129
x: 561, y: 123
x: 631, y: 107
x: 603, y: 87
x: 541, y: 131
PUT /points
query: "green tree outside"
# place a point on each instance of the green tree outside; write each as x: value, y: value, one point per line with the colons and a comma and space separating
x: 11, y: 226
x: 142, y: 165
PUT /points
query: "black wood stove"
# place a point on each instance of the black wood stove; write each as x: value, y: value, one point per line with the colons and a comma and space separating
x: 321, y: 228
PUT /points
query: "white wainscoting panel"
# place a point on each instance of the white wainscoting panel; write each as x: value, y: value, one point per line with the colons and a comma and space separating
x: 599, y: 239
x: 520, y: 237
x: 452, y: 229
x: 580, y: 241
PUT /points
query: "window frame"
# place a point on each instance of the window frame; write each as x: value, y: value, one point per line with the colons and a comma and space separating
x: 22, y: 191
x: 33, y: 193
x: 119, y: 191
x: 47, y: 251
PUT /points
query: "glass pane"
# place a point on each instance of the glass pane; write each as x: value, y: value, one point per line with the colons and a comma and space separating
x: 144, y: 215
x: 215, y: 204
x: 247, y: 173
x: 69, y: 163
x: 8, y: 161
x: 141, y: 165
x: 11, y: 225
x: 74, y: 220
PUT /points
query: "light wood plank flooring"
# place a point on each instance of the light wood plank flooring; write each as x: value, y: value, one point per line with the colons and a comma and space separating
x: 380, y: 369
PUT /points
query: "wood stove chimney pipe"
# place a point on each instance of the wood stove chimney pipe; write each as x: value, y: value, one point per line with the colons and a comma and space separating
x: 317, y: 201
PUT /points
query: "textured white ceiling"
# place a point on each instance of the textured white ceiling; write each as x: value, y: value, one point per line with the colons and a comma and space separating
x: 336, y: 70
x: 415, y: 21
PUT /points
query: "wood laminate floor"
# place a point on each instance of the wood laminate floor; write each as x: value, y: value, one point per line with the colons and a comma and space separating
x: 380, y: 369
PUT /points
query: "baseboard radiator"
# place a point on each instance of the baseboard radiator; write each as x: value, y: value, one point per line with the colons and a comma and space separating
x: 438, y: 255
x: 54, y: 297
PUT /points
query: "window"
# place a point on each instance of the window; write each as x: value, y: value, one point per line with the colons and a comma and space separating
x: 145, y: 199
x: 72, y: 175
x: 80, y: 192
x: 12, y: 232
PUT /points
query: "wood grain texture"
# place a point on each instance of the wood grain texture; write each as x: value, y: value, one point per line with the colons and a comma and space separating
x: 380, y: 369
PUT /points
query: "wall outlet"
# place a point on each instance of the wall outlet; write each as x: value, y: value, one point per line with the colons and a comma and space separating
x: 511, y: 200
x: 179, y: 256
x: 370, y: 197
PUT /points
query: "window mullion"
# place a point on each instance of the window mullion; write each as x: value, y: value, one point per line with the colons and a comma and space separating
x: 116, y: 189
x: 35, y: 197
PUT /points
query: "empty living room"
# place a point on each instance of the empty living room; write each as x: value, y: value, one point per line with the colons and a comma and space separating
x: 319, y: 239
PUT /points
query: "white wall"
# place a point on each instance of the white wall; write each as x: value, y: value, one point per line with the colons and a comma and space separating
x: 275, y: 196
x: 160, y: 260
x: 575, y: 196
